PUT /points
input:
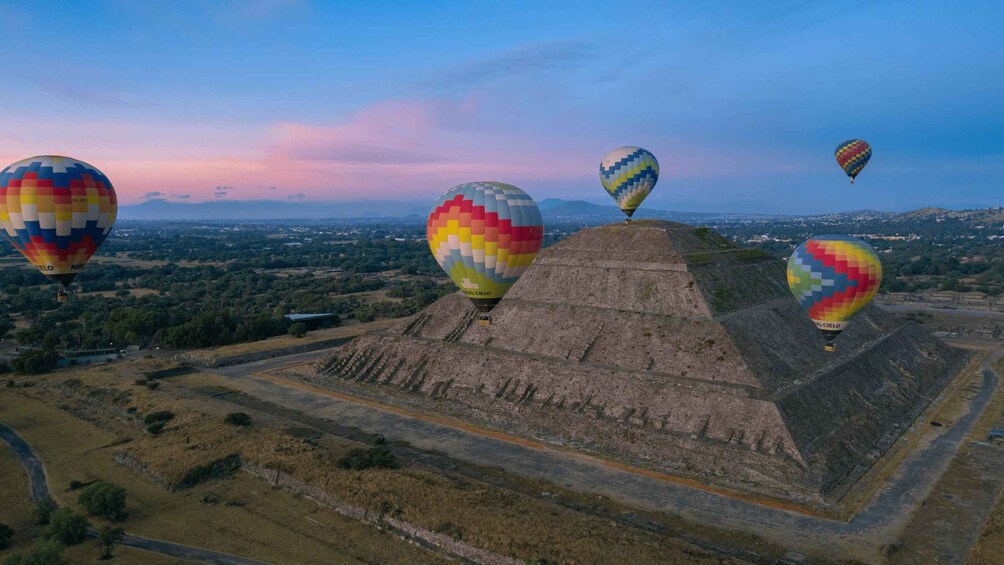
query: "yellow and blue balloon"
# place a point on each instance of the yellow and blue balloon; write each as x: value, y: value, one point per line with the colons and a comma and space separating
x: 629, y: 174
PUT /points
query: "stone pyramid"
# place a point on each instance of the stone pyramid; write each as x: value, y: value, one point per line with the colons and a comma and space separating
x: 663, y: 345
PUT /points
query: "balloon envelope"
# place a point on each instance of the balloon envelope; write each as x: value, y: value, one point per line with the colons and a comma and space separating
x: 56, y: 211
x: 852, y: 156
x: 485, y: 235
x: 832, y: 277
x: 629, y: 174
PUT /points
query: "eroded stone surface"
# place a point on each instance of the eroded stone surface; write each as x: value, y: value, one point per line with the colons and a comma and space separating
x: 663, y: 344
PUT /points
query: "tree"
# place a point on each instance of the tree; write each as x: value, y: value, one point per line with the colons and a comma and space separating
x: 67, y: 527
x: 238, y: 419
x: 43, y: 511
x: 108, y: 537
x: 299, y: 329
x: 5, y: 534
x: 104, y: 499
x: 44, y: 552
x: 35, y: 361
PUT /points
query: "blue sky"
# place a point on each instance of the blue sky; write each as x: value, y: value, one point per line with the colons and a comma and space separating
x: 741, y: 102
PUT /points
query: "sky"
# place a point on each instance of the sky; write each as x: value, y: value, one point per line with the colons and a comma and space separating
x: 741, y: 102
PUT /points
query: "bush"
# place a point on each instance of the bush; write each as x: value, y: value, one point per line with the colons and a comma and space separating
x: 299, y: 329
x: 67, y: 527
x: 372, y: 458
x: 104, y: 499
x: 155, y: 428
x: 77, y: 485
x: 43, y: 511
x: 152, y: 385
x: 238, y: 419
x: 35, y: 361
x: 140, y: 382
x: 160, y: 416
x: 44, y: 552
x: 5, y: 534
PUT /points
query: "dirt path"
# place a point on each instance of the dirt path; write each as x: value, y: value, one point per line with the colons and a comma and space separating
x: 39, y: 490
x: 864, y: 538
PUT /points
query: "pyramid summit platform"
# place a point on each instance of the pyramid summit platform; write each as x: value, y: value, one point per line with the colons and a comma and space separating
x: 663, y: 345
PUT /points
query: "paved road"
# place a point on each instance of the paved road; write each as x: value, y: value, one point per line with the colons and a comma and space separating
x: 879, y: 523
x: 38, y: 486
x: 39, y: 489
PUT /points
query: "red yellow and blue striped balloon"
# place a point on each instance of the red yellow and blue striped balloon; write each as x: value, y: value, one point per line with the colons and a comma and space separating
x: 56, y: 211
x: 485, y: 235
x: 832, y: 277
x: 629, y: 174
x: 852, y: 156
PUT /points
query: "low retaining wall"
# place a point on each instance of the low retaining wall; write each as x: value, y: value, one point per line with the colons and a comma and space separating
x: 404, y: 529
x: 252, y: 356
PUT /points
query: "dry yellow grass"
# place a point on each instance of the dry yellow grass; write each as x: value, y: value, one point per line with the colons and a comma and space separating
x: 270, y: 525
x: 989, y: 545
x: 15, y: 509
x: 496, y: 519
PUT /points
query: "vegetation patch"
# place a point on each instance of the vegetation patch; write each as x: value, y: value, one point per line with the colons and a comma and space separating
x: 213, y: 470
x: 372, y: 458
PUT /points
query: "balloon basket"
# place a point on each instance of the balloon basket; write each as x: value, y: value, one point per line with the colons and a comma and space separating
x: 61, y: 296
x: 485, y: 320
x: 829, y: 347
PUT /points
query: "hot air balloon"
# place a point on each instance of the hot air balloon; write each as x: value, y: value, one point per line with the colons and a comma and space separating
x: 629, y: 174
x: 832, y: 277
x: 485, y: 235
x: 852, y: 156
x: 56, y: 211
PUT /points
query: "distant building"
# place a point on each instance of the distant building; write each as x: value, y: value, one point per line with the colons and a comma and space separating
x: 87, y: 356
x: 315, y: 321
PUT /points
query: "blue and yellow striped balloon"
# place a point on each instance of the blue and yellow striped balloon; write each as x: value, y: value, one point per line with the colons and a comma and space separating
x: 629, y: 174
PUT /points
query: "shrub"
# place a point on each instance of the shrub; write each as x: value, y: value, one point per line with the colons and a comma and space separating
x: 159, y: 416
x: 67, y: 527
x: 155, y: 428
x: 44, y: 552
x: 299, y: 329
x: 238, y: 419
x: 43, y: 511
x: 104, y: 499
x: 372, y: 458
x: 152, y: 385
x: 5, y: 534
x: 77, y: 485
x: 140, y: 382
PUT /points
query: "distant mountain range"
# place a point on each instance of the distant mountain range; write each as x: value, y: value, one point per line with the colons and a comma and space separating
x: 551, y: 209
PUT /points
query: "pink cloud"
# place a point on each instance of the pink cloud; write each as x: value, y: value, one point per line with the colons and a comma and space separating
x: 393, y: 149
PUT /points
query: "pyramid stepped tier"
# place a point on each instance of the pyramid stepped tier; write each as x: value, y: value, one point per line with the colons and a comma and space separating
x: 663, y: 345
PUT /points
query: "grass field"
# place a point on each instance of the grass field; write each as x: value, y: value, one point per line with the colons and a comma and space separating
x: 15, y: 509
x: 268, y: 524
x: 274, y: 526
x: 989, y: 546
x: 137, y: 292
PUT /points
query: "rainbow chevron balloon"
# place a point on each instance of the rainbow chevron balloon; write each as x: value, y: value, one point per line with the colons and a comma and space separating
x: 56, y: 211
x: 832, y: 277
x: 629, y: 174
x: 852, y: 156
x: 485, y: 235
